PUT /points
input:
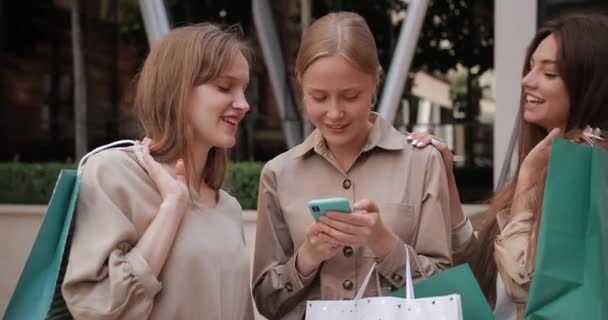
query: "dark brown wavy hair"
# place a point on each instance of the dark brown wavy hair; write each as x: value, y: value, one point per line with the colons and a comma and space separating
x: 583, y: 66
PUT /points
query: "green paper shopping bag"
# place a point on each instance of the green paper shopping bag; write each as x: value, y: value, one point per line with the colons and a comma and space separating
x: 34, y: 293
x: 458, y: 280
x: 570, y: 276
x: 38, y: 291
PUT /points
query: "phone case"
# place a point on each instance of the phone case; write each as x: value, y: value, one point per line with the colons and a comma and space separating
x: 320, y: 207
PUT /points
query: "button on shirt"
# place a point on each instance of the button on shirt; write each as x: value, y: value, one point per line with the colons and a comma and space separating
x: 408, y: 184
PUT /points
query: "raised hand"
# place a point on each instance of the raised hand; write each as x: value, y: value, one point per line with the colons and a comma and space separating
x: 173, y: 190
x: 538, y: 158
x: 423, y: 139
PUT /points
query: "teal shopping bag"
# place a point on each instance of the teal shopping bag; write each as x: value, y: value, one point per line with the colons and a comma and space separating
x: 459, y: 280
x: 35, y: 290
x: 38, y: 291
x: 570, y: 276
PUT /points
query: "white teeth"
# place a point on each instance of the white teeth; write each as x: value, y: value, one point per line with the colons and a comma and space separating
x: 230, y: 121
x: 533, y: 99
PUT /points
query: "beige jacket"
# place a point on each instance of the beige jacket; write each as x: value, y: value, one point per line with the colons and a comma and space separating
x: 512, y: 255
x: 408, y: 184
x: 464, y: 242
x: 206, y: 275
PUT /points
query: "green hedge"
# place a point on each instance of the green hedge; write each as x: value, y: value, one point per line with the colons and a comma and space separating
x: 26, y: 183
x: 242, y: 182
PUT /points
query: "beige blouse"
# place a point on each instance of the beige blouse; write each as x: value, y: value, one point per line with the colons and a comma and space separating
x: 206, y: 275
x: 511, y: 252
x: 408, y: 184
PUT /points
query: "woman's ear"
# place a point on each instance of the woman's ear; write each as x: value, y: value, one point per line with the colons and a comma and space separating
x: 379, y: 72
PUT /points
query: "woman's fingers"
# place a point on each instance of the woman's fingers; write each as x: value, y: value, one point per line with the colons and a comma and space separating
x: 328, y: 240
x: 443, y: 148
x: 420, y: 139
x: 146, y: 142
x: 180, y: 171
x: 366, y: 205
x: 340, y: 236
x: 549, y: 138
x: 355, y: 219
x: 318, y: 238
x: 345, y: 227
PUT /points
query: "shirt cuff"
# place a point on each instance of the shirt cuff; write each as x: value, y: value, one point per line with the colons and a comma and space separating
x: 462, y: 235
x: 392, y: 267
x: 294, y: 281
x: 142, y: 271
x: 511, y: 249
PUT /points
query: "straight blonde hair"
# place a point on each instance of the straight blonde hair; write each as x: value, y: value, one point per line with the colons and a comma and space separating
x: 343, y: 33
x: 183, y: 59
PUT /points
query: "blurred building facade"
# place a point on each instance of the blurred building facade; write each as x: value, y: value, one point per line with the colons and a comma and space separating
x: 36, y: 74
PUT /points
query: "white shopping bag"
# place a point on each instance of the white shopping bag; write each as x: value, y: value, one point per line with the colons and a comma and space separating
x: 387, y: 308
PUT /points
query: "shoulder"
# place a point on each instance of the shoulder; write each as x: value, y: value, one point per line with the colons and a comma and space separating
x: 111, y: 158
x: 231, y: 203
x: 281, y: 162
x: 112, y: 168
x: 426, y: 155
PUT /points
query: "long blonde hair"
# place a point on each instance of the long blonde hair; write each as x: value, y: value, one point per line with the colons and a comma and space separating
x: 184, y: 58
x: 343, y: 33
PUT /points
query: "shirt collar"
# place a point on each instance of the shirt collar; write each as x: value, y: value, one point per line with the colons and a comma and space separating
x: 383, y: 135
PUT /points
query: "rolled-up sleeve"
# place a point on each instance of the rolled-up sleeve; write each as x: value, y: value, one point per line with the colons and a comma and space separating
x: 277, y: 285
x: 512, y: 253
x: 431, y: 250
x: 464, y: 242
x: 106, y: 278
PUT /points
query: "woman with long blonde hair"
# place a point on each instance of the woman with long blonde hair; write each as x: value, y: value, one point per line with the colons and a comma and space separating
x: 398, y: 193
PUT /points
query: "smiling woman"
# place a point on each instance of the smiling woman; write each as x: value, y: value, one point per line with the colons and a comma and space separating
x: 399, y: 193
x: 564, y: 92
x: 218, y: 106
x: 546, y: 101
x: 149, y: 218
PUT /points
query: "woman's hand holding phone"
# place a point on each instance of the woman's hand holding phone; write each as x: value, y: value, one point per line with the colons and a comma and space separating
x: 363, y: 227
x: 316, y: 248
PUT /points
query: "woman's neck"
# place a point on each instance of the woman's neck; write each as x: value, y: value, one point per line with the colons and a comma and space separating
x: 199, y: 153
x: 347, y: 154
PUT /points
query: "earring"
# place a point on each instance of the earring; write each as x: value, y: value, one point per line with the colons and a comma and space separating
x: 374, y: 100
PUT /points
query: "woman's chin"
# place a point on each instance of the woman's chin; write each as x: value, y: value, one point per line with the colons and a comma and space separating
x: 226, y: 142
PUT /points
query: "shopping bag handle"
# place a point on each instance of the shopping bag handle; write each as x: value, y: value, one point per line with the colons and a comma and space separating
x: 104, y: 147
x: 409, y: 286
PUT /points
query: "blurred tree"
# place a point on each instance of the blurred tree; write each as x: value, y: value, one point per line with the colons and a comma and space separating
x: 225, y: 12
x: 454, y: 32
x: 80, y: 87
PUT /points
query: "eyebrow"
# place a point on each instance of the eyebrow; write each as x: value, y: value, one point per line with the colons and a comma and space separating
x: 544, y: 61
x: 351, y: 88
x: 233, y: 77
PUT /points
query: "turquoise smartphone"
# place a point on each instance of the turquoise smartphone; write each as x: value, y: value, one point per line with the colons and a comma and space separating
x: 320, y: 207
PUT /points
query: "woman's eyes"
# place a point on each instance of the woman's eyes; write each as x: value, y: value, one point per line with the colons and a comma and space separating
x: 349, y: 98
x: 224, y: 88
x: 548, y: 74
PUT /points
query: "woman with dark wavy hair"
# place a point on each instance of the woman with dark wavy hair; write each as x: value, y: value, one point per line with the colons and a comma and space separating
x: 564, y: 92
